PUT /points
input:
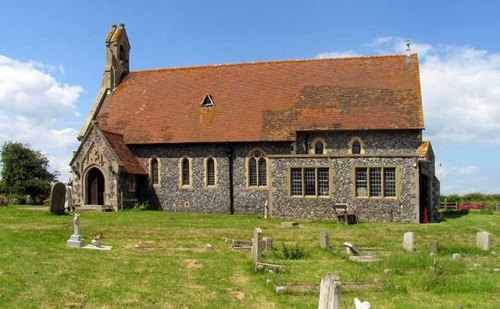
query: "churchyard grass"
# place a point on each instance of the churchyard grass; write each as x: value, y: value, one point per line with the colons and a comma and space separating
x: 171, y: 269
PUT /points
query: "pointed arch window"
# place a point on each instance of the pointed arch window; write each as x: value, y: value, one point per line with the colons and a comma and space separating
x: 252, y: 172
x: 256, y: 169
x: 185, y: 172
x: 154, y: 172
x: 262, y: 172
x: 210, y: 172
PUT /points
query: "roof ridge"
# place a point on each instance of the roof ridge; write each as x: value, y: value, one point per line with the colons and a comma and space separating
x: 272, y: 61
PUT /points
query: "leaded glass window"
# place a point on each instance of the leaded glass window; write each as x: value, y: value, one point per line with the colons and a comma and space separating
x: 210, y: 172
x: 154, y: 171
x: 185, y: 173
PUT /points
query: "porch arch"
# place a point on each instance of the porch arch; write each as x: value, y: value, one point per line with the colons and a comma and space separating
x: 94, y: 187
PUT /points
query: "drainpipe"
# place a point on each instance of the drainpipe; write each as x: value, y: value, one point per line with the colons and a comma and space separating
x: 229, y: 153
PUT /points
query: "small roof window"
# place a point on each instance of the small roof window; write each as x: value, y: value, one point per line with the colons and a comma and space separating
x: 207, y: 101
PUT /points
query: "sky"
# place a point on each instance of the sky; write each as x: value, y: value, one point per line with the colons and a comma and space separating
x: 52, y: 56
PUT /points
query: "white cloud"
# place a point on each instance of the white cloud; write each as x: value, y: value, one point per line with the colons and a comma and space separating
x: 442, y: 171
x: 27, y: 90
x: 34, y: 107
x: 460, y: 89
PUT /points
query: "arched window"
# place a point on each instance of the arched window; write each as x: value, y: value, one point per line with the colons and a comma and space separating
x: 262, y: 172
x: 210, y: 172
x: 154, y: 171
x: 185, y: 172
x: 256, y: 169
x: 318, y: 146
x: 356, y: 147
x: 252, y: 172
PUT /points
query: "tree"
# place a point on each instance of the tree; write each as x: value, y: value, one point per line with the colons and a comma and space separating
x: 25, y: 171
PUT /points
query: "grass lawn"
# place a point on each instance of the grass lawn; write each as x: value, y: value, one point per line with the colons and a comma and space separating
x: 168, y: 271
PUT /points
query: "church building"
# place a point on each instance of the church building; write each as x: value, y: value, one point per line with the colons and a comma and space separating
x: 296, y: 137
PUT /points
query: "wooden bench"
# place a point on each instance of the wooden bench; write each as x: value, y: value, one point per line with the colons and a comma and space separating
x: 344, y: 215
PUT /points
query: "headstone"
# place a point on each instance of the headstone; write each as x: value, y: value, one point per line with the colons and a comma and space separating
x: 257, y: 245
x: 409, y: 241
x: 29, y: 200
x: 266, y: 209
x: 289, y: 224
x: 329, y: 293
x: 68, y: 204
x: 324, y: 240
x: 76, y: 240
x: 483, y: 240
x: 433, y: 246
x: 280, y: 289
x: 267, y: 243
x: 57, y: 197
x: 456, y: 256
x: 350, y: 249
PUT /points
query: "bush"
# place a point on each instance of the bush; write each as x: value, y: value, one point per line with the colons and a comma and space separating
x: 17, y: 200
x: 292, y: 253
x: 4, y: 200
x: 143, y: 206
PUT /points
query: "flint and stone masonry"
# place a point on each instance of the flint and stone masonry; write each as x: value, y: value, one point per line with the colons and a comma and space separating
x: 334, y: 115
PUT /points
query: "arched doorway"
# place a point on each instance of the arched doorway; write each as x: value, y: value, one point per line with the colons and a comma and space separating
x: 95, y: 187
x: 425, y: 201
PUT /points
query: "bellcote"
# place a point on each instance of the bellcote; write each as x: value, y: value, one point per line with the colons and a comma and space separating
x: 117, y: 57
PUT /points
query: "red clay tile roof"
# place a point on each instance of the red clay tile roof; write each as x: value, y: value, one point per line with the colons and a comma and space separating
x: 127, y: 159
x: 267, y: 101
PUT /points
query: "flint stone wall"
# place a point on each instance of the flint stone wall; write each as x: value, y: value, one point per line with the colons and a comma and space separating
x: 400, y: 209
x: 375, y: 142
x: 199, y: 198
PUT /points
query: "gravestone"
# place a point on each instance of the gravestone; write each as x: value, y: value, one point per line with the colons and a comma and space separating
x: 483, y: 240
x: 289, y: 224
x: 409, y: 241
x: 433, y: 246
x: 76, y: 240
x: 257, y: 245
x: 456, y: 256
x: 350, y: 249
x: 29, y: 200
x: 57, y: 197
x: 69, y: 199
x: 329, y: 293
x: 266, y: 209
x: 267, y: 243
x: 324, y: 240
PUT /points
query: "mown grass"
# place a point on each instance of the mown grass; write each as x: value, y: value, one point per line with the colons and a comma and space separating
x: 169, y: 270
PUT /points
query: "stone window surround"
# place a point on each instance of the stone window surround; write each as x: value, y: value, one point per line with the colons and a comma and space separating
x: 251, y: 154
x: 314, y: 143
x: 361, y: 144
x: 397, y: 169
x: 155, y: 185
x: 315, y: 166
x: 190, y: 185
x: 216, y: 170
